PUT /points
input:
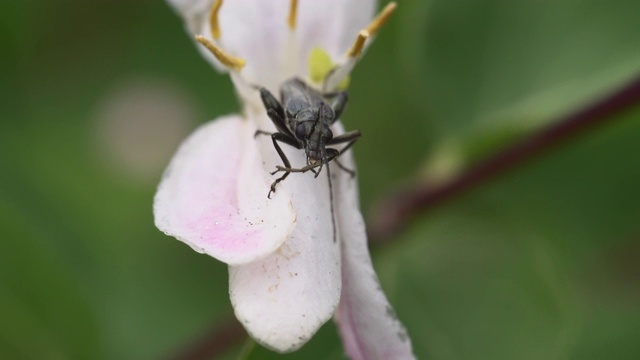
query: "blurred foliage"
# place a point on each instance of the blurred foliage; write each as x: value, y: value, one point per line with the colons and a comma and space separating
x: 542, y: 264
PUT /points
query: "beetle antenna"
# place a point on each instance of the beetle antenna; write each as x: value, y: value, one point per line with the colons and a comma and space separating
x: 315, y: 123
x: 322, y: 146
x: 333, y: 217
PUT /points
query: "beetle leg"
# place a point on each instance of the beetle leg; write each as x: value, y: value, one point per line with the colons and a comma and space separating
x: 270, y: 102
x: 351, y: 137
x: 332, y: 154
x: 352, y: 173
x: 261, y: 132
x: 275, y: 111
x: 275, y: 137
x: 338, y: 101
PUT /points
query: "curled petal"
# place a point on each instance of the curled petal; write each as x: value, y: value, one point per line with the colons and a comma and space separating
x: 368, y: 325
x: 331, y: 25
x: 254, y: 30
x: 258, y: 31
x: 283, y: 299
x: 213, y: 195
x: 194, y: 12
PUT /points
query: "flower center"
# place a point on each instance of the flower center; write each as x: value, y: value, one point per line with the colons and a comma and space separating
x: 320, y: 65
x: 322, y: 71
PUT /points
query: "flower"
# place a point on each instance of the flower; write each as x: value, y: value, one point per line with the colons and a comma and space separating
x: 287, y: 275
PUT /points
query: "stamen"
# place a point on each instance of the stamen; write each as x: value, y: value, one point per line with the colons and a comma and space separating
x: 339, y: 73
x: 381, y: 19
x: 213, y: 19
x: 293, y: 13
x: 371, y: 30
x: 235, y: 63
x: 358, y: 45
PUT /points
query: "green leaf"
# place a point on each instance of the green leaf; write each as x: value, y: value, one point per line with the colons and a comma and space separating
x: 481, y: 64
x: 541, y: 264
x: 45, y: 312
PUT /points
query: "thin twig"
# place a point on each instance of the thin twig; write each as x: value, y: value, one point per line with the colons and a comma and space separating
x: 401, y: 207
x: 394, y: 212
x: 214, y: 343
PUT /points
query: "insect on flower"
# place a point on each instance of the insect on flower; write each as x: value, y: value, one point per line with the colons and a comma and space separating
x: 284, y: 281
x: 303, y: 121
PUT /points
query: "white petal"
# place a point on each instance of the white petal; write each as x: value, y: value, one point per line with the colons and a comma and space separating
x: 332, y: 25
x: 255, y: 30
x: 283, y: 299
x: 213, y: 195
x: 194, y: 12
x: 368, y: 325
x: 258, y: 31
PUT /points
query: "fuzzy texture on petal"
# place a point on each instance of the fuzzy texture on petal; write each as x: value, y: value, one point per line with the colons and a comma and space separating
x: 368, y: 324
x: 283, y: 300
x: 213, y: 195
x: 257, y: 31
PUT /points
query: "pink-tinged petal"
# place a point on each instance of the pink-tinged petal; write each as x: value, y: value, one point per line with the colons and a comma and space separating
x: 283, y: 299
x: 368, y: 325
x: 213, y: 195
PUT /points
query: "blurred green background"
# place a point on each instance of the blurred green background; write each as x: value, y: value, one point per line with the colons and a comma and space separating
x: 543, y: 263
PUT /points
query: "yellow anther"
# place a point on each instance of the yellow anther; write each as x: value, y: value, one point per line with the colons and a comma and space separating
x: 320, y: 65
x: 232, y: 62
x: 381, y: 19
x: 371, y: 30
x: 213, y: 19
x: 293, y: 13
x: 358, y: 45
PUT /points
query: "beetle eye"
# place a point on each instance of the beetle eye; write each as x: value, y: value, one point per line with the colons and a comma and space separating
x: 329, y: 135
x: 301, y: 131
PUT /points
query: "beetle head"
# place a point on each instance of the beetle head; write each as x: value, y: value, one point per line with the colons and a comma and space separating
x: 314, y: 132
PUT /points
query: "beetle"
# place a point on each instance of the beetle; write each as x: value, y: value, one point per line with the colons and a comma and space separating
x: 303, y: 119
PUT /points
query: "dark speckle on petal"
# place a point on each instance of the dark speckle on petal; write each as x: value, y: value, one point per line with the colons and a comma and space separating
x: 403, y: 336
x: 391, y: 313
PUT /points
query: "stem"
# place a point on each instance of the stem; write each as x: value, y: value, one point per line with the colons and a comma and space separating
x: 247, y: 348
x: 394, y: 212
x: 399, y: 209
x: 215, y: 343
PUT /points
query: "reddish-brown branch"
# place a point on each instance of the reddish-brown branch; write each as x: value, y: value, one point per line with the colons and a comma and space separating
x: 397, y: 210
x: 217, y: 341
x: 401, y: 207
